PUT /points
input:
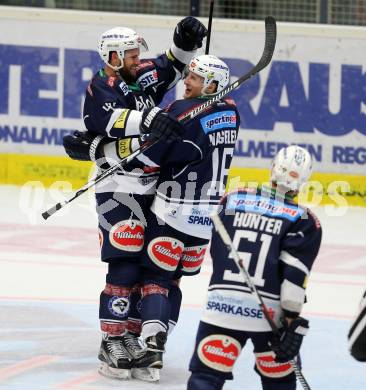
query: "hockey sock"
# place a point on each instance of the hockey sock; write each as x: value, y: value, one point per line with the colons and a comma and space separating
x: 154, y: 310
x: 134, y: 316
x: 175, y: 300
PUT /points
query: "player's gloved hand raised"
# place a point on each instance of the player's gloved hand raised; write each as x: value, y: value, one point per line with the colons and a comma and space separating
x: 83, y: 146
x: 287, y: 346
x: 158, y: 124
x: 189, y: 34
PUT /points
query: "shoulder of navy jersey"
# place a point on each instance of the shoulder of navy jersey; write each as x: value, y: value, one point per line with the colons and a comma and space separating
x: 253, y: 201
x: 109, y: 84
x: 314, y: 219
x: 181, y: 107
x: 156, y: 72
x: 223, y: 114
x: 147, y: 74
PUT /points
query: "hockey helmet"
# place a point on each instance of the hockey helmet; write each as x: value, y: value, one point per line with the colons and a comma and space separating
x: 119, y: 39
x: 291, y: 167
x: 211, y: 69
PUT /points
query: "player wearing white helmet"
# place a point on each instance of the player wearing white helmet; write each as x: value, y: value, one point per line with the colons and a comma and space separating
x: 291, y: 168
x: 278, y: 241
x: 197, y: 165
x: 117, y: 108
x: 179, y: 227
x: 118, y: 40
x: 207, y: 75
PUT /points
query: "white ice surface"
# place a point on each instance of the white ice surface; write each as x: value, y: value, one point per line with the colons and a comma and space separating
x: 51, y: 277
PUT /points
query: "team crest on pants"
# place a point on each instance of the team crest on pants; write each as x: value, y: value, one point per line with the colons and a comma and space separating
x: 268, y: 367
x: 127, y: 235
x: 119, y: 306
x: 165, y: 252
x: 219, y: 352
x: 192, y: 258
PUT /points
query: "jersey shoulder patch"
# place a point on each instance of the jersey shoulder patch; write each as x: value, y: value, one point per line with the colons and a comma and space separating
x: 147, y: 79
x: 219, y: 120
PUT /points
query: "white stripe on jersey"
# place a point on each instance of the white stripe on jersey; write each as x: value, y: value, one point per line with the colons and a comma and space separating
x: 187, y: 217
x: 182, y: 170
x: 239, y: 310
x: 292, y: 296
x: 132, y: 126
x: 116, y: 113
x: 300, y: 233
x: 181, y: 55
x: 293, y: 262
x: 133, y: 123
x: 186, y: 201
x: 145, y: 160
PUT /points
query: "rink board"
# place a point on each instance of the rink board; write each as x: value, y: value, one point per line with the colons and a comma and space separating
x: 311, y: 94
x: 59, y: 171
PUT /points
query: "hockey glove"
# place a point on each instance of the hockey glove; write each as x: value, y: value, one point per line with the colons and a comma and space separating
x: 84, y: 146
x: 158, y: 124
x: 287, y: 346
x: 189, y: 33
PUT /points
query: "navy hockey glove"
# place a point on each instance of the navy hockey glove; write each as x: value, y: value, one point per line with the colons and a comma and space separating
x: 84, y: 146
x: 287, y: 346
x: 158, y: 124
x: 189, y: 34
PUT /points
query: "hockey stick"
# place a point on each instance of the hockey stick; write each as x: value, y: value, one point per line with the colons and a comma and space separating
x: 269, y: 45
x: 147, y: 145
x: 220, y: 228
x: 209, y: 27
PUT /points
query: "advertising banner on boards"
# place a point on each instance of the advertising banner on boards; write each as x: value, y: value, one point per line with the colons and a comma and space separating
x: 313, y: 93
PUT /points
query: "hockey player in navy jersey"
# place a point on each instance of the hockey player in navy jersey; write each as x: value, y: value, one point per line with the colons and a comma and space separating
x: 114, y: 108
x: 278, y: 240
x: 192, y: 179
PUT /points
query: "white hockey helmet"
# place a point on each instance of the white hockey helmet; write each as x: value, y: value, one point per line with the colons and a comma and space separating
x: 291, y: 167
x: 119, y: 39
x: 211, y: 69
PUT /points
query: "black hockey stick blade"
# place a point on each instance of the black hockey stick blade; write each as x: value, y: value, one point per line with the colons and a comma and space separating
x: 269, y: 46
x: 209, y: 27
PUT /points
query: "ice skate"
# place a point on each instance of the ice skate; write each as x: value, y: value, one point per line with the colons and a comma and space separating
x: 146, y: 374
x: 133, y: 345
x: 116, y: 361
x: 137, y: 349
x: 153, y: 358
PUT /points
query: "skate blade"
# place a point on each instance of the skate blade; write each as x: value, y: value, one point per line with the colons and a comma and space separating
x: 146, y: 374
x: 114, y: 373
